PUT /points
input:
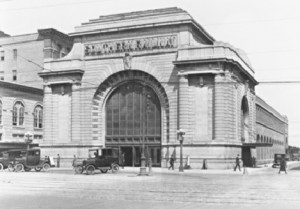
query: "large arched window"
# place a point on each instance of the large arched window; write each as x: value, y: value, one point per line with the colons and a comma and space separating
x: 18, y: 114
x: 126, y: 109
x: 244, y: 120
x: 38, y: 117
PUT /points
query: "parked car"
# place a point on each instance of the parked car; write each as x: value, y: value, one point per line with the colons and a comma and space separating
x: 277, y: 159
x: 31, y: 159
x: 104, y: 159
x: 8, y: 157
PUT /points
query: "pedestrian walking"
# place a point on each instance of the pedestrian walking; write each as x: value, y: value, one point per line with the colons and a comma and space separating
x: 172, y: 160
x: 282, y: 166
x: 58, y: 160
x: 237, y: 163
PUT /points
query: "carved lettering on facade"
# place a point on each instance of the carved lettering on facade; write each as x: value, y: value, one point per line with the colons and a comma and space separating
x: 105, y: 48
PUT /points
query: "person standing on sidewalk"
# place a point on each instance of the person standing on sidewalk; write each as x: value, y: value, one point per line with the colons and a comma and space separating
x: 282, y: 166
x: 122, y: 159
x: 237, y: 163
x: 74, y: 161
x: 58, y: 160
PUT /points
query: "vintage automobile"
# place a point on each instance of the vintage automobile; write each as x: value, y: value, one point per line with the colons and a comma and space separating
x: 8, y: 157
x: 31, y: 159
x: 277, y: 160
x: 103, y: 159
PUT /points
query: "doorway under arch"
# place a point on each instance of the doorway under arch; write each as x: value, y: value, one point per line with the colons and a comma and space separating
x: 133, y: 121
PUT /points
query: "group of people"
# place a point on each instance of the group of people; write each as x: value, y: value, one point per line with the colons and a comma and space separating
x: 238, y: 161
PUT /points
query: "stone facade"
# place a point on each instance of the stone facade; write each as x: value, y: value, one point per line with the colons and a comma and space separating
x: 194, y: 83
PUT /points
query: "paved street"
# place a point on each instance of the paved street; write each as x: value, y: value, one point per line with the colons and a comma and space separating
x: 60, y: 188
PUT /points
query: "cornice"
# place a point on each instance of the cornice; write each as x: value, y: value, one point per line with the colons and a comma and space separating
x: 62, y: 72
x: 21, y: 88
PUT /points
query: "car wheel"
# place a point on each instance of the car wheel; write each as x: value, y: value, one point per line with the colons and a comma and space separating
x: 27, y: 169
x: 115, y: 168
x: 103, y: 170
x: 46, y: 167
x: 90, y: 170
x: 1, y: 167
x: 38, y: 169
x: 10, y: 167
x: 19, y: 167
x: 78, y: 169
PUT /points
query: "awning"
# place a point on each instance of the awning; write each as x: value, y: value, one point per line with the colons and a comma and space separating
x: 256, y: 144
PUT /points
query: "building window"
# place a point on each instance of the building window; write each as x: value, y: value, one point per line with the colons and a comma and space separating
x: 18, y: 114
x: 2, y: 55
x: 2, y: 75
x: 14, y: 75
x: 15, y: 54
x: 38, y: 117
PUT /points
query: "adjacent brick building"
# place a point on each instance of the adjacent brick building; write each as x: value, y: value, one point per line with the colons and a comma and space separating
x: 21, y: 89
x: 137, y: 78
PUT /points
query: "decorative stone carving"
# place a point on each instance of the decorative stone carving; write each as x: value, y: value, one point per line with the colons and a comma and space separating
x: 127, y: 61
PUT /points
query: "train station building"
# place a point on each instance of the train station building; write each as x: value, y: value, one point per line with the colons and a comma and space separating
x: 136, y: 78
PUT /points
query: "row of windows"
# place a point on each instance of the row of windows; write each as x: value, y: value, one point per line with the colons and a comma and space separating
x: 18, y: 115
x: 264, y: 139
x: 2, y: 55
x: 14, y: 75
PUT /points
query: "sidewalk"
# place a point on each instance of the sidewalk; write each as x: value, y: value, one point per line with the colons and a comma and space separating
x: 155, y: 170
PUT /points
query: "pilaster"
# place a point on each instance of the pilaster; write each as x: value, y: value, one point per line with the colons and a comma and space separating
x: 75, y: 113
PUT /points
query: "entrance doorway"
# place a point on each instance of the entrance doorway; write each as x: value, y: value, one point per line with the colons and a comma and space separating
x: 246, y: 156
x: 133, y: 118
x: 128, y: 155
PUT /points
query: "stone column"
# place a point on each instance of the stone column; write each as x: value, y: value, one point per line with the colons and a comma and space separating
x: 224, y: 109
x: 183, y: 106
x: 48, y: 114
x: 75, y: 113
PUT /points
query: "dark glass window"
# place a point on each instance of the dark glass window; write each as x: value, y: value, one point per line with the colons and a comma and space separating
x: 128, y: 106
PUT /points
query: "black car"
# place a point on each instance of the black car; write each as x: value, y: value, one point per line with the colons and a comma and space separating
x: 277, y: 159
x: 8, y: 157
x: 103, y: 159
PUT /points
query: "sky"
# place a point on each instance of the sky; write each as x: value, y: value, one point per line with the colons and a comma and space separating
x: 267, y: 30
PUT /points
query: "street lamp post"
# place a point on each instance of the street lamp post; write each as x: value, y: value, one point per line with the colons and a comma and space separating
x: 28, y: 139
x: 180, y: 133
x: 143, y: 169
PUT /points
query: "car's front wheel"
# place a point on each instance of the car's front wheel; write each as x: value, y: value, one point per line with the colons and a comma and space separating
x: 115, y: 168
x: 78, y: 169
x: 1, y: 167
x: 90, y: 170
x: 46, y: 167
x: 19, y: 167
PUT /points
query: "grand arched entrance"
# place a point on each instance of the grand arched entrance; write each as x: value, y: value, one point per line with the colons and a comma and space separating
x: 133, y: 119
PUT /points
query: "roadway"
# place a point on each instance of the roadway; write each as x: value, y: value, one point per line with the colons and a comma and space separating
x: 61, y: 188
